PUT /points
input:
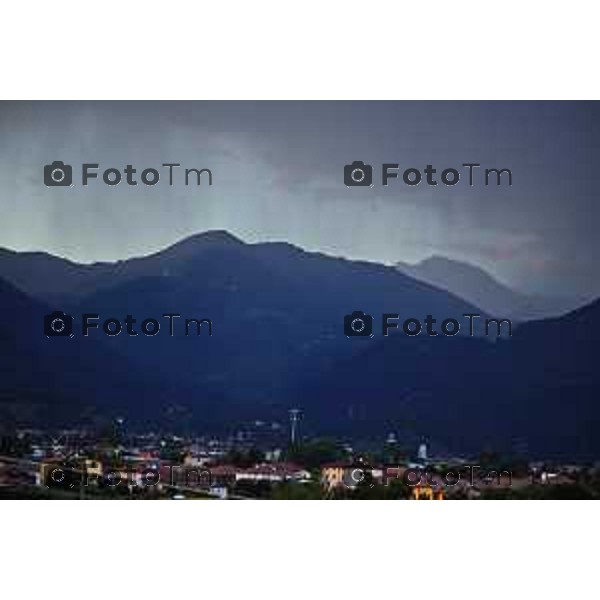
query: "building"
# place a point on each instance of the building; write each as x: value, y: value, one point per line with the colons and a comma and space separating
x: 342, y: 473
x: 332, y: 475
x: 427, y: 492
x: 223, y: 475
x: 273, y: 472
x: 53, y: 472
x: 220, y: 491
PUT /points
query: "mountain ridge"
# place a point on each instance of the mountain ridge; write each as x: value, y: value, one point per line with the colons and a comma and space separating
x: 476, y: 285
x: 278, y: 342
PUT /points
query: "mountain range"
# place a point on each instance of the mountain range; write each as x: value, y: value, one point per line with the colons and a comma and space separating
x: 478, y: 287
x: 277, y: 341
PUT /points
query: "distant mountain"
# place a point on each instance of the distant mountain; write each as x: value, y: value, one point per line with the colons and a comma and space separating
x: 55, y: 279
x: 278, y: 342
x: 478, y: 287
x: 277, y: 311
x: 277, y: 315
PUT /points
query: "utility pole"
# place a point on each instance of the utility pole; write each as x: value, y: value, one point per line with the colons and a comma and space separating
x: 294, y: 418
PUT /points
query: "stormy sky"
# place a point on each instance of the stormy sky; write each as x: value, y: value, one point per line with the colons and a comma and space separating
x: 278, y: 175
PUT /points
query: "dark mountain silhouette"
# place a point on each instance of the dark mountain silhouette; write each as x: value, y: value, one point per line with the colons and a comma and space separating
x: 64, y: 381
x: 478, y: 287
x: 278, y: 342
x: 277, y: 311
x: 277, y: 315
x: 53, y: 279
x: 537, y: 391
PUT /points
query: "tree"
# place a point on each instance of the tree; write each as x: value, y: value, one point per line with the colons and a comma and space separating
x: 316, y: 453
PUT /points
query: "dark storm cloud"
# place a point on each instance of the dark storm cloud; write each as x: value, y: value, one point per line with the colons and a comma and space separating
x: 278, y: 176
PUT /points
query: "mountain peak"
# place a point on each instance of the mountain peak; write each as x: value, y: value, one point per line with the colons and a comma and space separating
x: 215, y: 238
x: 476, y: 285
x: 212, y: 236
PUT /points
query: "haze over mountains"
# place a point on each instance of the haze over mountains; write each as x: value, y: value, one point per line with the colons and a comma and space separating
x: 278, y: 342
x: 478, y: 287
